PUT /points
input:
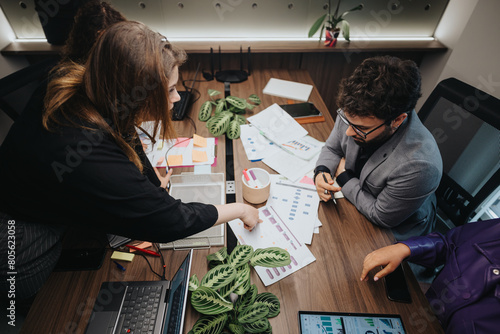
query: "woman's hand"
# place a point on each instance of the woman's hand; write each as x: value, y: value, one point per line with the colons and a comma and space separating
x: 390, y: 257
x: 164, y: 179
x: 248, y: 214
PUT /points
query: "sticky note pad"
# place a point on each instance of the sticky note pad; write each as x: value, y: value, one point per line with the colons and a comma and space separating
x: 142, y: 245
x: 199, y: 141
x: 199, y: 156
x: 122, y: 256
x: 182, y: 142
x: 174, y: 160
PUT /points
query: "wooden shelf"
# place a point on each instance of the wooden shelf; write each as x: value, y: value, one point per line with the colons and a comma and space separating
x: 200, y: 47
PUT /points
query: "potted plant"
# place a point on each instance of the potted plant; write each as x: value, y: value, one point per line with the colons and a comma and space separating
x: 227, y: 117
x: 225, y: 296
x: 331, y: 24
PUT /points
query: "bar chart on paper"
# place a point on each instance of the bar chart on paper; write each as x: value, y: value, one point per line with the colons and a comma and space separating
x: 273, y: 232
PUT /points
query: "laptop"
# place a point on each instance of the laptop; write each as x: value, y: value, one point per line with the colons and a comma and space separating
x: 181, y: 107
x: 151, y: 307
x: 312, y: 322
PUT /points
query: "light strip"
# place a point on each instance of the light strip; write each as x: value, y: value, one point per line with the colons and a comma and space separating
x: 262, y: 39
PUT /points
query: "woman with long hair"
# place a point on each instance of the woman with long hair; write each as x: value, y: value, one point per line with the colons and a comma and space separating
x: 81, y: 163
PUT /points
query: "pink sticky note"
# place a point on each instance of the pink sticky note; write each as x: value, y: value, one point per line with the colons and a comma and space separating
x: 307, y: 180
x: 182, y: 142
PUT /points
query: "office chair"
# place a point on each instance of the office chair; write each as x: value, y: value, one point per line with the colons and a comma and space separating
x: 465, y: 122
x: 17, y: 88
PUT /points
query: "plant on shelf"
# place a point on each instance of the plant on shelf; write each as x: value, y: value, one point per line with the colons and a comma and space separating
x: 225, y: 296
x: 331, y: 23
x: 227, y: 116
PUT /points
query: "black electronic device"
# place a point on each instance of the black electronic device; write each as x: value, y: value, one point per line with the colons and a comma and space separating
x: 232, y: 76
x: 80, y: 259
x: 181, y: 107
x: 303, y: 112
x: 396, y: 287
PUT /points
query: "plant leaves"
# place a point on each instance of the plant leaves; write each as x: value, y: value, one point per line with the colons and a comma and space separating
x: 205, y: 111
x: 221, y: 105
x: 345, y: 30
x: 243, y: 280
x: 237, y: 102
x: 220, y: 255
x: 233, y: 130
x: 207, y: 301
x: 194, y: 283
x: 253, y: 313
x: 255, y: 99
x: 240, y: 255
x: 258, y: 326
x: 247, y: 299
x: 270, y: 257
x: 271, y: 301
x: 241, y: 119
x: 316, y: 25
x: 210, y: 324
x: 219, y: 276
x: 220, y: 123
x: 236, y: 328
x: 213, y: 92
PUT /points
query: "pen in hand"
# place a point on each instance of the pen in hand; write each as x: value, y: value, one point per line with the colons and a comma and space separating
x: 331, y: 193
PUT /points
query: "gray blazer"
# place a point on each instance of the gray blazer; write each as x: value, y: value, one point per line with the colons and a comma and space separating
x: 396, y: 186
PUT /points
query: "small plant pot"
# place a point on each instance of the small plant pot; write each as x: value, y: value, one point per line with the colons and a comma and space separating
x: 331, y: 37
x: 256, y: 194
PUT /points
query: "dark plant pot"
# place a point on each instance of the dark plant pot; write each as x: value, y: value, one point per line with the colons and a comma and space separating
x: 331, y: 37
x: 56, y: 18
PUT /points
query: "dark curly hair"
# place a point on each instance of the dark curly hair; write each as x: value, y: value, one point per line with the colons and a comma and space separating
x: 91, y: 19
x: 384, y: 87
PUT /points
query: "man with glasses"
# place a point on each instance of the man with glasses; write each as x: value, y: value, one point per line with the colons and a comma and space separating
x: 385, y: 161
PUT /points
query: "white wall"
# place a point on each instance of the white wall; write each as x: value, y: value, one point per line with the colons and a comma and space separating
x: 468, y: 28
x: 8, y: 65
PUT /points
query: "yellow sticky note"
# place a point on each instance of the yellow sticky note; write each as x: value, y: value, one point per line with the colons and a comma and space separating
x: 174, y: 160
x: 199, y: 156
x: 160, y: 145
x: 199, y: 141
x: 122, y: 256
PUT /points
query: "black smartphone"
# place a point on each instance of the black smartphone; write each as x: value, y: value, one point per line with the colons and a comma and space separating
x: 396, y: 287
x: 298, y: 110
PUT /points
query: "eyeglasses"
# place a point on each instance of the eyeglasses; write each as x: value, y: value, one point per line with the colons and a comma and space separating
x: 363, y: 134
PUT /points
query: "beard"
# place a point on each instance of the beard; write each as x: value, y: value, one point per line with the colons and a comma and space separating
x: 374, y: 142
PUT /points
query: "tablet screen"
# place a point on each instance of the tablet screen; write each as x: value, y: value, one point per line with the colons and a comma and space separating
x: 349, y: 323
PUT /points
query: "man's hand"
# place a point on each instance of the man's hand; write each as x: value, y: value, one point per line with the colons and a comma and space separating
x: 324, y: 188
x: 390, y: 257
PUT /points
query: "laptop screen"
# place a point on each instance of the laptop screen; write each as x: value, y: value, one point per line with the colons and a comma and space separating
x: 348, y: 323
x: 177, y: 299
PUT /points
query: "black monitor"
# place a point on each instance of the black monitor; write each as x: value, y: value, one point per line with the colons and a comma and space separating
x: 465, y: 122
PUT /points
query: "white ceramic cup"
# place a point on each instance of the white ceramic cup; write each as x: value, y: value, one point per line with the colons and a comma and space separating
x: 251, y: 192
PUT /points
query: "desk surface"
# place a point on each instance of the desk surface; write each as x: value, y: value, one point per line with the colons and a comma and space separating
x: 331, y: 283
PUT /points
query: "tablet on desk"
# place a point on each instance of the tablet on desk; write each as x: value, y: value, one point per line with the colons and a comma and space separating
x: 311, y: 322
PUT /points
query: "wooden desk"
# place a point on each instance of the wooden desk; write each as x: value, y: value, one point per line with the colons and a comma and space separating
x: 331, y: 283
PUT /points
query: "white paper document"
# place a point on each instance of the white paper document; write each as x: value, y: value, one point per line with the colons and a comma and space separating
x: 277, y: 125
x: 288, y: 165
x: 273, y: 232
x: 256, y: 145
x: 288, y: 89
x: 297, y: 204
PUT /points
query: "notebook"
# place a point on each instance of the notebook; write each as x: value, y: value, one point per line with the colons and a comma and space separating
x: 203, y: 188
x: 143, y: 306
x: 349, y: 323
x: 288, y: 89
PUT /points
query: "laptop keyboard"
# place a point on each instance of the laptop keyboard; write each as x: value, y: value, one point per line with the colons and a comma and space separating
x: 139, y: 311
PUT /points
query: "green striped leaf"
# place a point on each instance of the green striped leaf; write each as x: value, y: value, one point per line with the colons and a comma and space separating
x: 254, y: 99
x: 270, y: 257
x: 271, y: 301
x: 219, y: 276
x: 252, y: 314
x: 210, y: 324
x: 233, y: 130
x: 213, y: 92
x: 237, y: 102
x: 258, y: 326
x: 194, y: 283
x: 220, y: 255
x: 205, y: 111
x: 236, y: 328
x: 207, y: 301
x: 221, y: 105
x: 220, y: 123
x: 241, y: 119
x: 247, y: 299
x: 243, y: 280
x: 240, y: 255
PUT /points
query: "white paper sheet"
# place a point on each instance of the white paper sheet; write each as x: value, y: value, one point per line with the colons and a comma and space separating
x: 273, y: 232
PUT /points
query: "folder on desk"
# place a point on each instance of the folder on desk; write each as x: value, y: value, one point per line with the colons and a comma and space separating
x: 203, y: 188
